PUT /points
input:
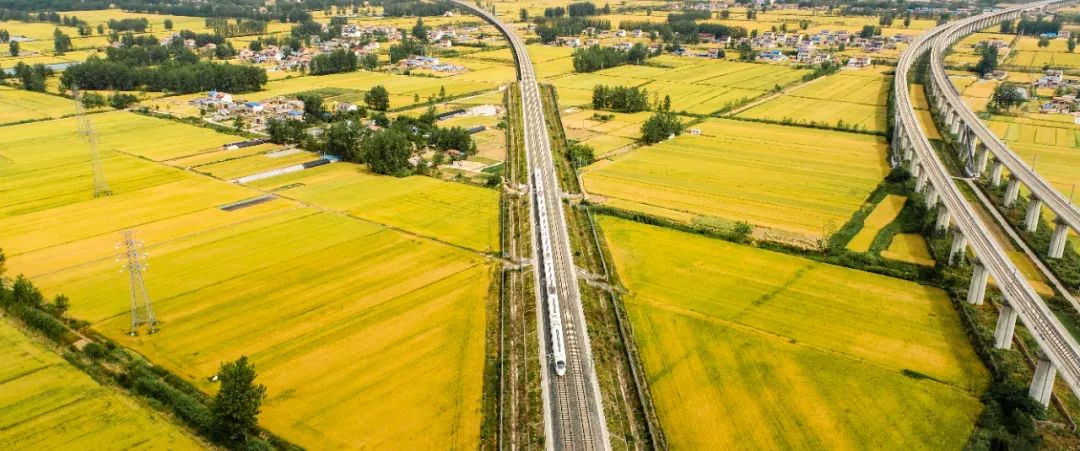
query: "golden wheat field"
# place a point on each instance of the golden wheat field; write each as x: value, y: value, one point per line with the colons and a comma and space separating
x: 45, y: 403
x: 349, y: 321
x: 750, y: 349
x: 792, y: 179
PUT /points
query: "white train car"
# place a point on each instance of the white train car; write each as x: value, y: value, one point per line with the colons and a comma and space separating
x: 551, y: 295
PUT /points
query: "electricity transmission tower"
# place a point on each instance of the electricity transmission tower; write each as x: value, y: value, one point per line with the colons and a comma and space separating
x: 133, y: 260
x: 101, y: 186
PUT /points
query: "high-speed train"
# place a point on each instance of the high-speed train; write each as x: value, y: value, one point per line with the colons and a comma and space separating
x: 558, y: 351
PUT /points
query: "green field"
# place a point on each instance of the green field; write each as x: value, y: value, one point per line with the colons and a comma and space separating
x: 793, y: 180
x: 751, y: 349
x: 350, y: 322
x: 856, y: 98
x: 45, y: 403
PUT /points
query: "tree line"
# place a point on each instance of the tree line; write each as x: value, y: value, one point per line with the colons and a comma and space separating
x: 172, y: 76
x: 594, y: 58
x: 415, y: 8
x: 551, y: 28
x: 620, y: 98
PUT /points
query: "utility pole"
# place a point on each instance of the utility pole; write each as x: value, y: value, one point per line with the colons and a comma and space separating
x: 101, y: 186
x: 133, y: 260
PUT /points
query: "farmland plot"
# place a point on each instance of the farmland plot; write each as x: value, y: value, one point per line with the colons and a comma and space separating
x: 353, y: 325
x: 17, y: 105
x: 723, y: 328
x: 788, y: 179
x: 857, y: 99
x: 45, y: 403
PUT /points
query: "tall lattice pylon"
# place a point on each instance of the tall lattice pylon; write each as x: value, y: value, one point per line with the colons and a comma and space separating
x: 133, y: 260
x: 101, y: 185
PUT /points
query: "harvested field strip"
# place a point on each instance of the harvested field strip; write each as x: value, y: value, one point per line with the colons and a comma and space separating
x: 910, y: 248
x: 724, y: 328
x: 456, y: 213
x: 47, y: 404
x: 884, y: 213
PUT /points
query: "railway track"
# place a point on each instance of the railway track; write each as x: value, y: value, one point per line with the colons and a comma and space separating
x: 573, y: 410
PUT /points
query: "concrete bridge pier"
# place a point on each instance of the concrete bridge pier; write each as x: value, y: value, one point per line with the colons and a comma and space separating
x: 1031, y: 219
x: 920, y: 180
x: 1057, y: 242
x: 1042, y: 384
x: 943, y: 218
x: 1012, y: 190
x: 954, y: 122
x: 980, y: 159
x: 977, y: 289
x: 995, y: 173
x: 959, y: 243
x: 931, y: 196
x: 1006, y: 325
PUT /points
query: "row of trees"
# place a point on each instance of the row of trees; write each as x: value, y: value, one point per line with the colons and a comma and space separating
x: 222, y: 26
x: 31, y: 78
x: 138, y: 25
x: 340, y: 60
x: 415, y: 8
x: 173, y: 76
x: 687, y: 30
x: 594, y: 58
x: 620, y: 98
x: 550, y: 28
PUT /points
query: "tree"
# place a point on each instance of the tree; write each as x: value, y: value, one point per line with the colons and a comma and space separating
x: 660, y: 126
x: 168, y: 24
x: 342, y: 139
x: 1006, y: 96
x: 387, y: 152
x: 1071, y: 44
x: 1044, y: 41
x: 1007, y: 26
x: 524, y: 15
x: 989, y: 60
x: 13, y: 48
x: 746, y: 53
x: 4, y: 35
x: 419, y: 31
x: 60, y: 305
x: 313, y: 107
x: 378, y: 98
x: 100, y: 29
x: 92, y: 100
x: 725, y: 13
x: 580, y: 155
x: 751, y: 13
x: 442, y: 93
x: 121, y: 100
x: 236, y: 407
x: 238, y: 123
x: 61, y: 42
x: 907, y: 20
x: 369, y: 61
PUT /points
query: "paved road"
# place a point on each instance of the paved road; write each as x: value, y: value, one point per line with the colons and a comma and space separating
x: 574, y: 417
x: 1052, y: 337
x: 1051, y: 197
